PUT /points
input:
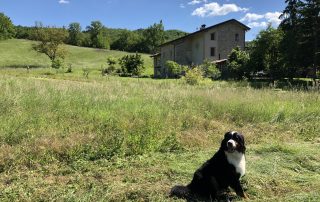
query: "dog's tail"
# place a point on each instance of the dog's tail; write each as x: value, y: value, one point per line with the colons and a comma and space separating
x: 180, y: 191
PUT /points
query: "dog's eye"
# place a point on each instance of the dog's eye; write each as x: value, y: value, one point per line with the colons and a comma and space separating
x: 228, y: 135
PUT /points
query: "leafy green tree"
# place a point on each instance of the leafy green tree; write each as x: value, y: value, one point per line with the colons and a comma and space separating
x: 154, y: 36
x: 238, y: 63
x: 127, y: 41
x: 300, y: 46
x: 132, y: 64
x: 266, y: 54
x: 310, y: 40
x: 98, y: 35
x: 7, y: 29
x: 51, y: 44
x: 75, y: 34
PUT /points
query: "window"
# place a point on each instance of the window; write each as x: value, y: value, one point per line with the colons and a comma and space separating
x: 213, y: 51
x: 213, y: 36
x: 236, y: 37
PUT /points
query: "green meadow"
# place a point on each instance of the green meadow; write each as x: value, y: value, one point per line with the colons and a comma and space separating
x: 18, y: 53
x: 66, y: 137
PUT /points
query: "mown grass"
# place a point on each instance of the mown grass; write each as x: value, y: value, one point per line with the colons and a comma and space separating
x: 66, y: 137
x: 18, y: 53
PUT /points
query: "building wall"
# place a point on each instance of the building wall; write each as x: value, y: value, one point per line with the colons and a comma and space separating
x: 226, y: 39
x: 198, y: 44
x: 183, y: 51
x: 195, y: 49
x: 211, y: 43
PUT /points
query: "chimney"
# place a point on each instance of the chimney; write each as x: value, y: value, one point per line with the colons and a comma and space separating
x: 202, y: 27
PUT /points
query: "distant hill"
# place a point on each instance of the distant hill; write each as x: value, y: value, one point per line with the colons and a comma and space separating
x: 17, y: 53
x: 174, y: 34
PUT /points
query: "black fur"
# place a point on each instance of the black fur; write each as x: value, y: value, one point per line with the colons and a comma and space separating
x: 215, y: 175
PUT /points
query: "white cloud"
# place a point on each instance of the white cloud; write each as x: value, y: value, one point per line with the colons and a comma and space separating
x: 273, y: 17
x: 249, y: 17
x: 258, y: 24
x: 214, y: 9
x: 64, y: 1
x: 194, y: 2
x: 265, y: 19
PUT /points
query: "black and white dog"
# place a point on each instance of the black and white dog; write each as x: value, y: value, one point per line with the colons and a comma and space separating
x: 224, y: 169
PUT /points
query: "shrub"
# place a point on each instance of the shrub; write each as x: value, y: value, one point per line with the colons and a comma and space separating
x: 57, y: 63
x: 111, y: 61
x: 173, y: 69
x: 132, y: 65
x: 210, y: 70
x: 194, y: 76
x: 69, y: 69
x: 86, y: 72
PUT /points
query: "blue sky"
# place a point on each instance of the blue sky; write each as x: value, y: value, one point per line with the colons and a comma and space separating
x: 186, y: 15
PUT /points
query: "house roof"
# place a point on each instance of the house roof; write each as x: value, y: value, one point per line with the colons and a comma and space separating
x: 205, y: 29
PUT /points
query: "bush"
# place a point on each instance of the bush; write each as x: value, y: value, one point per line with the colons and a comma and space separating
x: 69, y: 69
x: 111, y: 61
x: 210, y: 70
x: 194, y: 76
x: 131, y: 65
x: 57, y: 63
x: 173, y: 69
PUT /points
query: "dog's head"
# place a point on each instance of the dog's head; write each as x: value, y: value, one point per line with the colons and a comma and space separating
x: 233, y: 141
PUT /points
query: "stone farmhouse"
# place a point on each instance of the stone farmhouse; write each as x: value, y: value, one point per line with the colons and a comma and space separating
x: 212, y: 43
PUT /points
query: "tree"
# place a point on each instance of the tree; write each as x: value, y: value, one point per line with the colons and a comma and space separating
x: 98, y: 35
x: 266, y: 55
x: 50, y: 44
x: 310, y: 40
x: 300, y: 46
x: 238, y: 63
x: 132, y: 64
x: 127, y: 41
x: 154, y: 36
x: 7, y: 29
x: 75, y: 34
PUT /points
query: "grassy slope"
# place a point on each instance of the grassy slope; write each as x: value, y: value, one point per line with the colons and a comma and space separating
x: 129, y: 139
x: 18, y: 53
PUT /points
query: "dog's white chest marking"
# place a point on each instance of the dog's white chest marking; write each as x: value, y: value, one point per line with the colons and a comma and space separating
x: 238, y: 160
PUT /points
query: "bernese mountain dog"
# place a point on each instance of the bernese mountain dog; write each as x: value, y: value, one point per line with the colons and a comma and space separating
x: 223, y: 170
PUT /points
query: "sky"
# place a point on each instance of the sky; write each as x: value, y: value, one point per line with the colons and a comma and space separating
x: 185, y: 15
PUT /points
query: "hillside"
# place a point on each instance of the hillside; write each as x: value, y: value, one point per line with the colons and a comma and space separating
x: 18, y: 53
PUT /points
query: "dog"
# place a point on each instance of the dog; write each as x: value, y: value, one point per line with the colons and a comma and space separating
x: 223, y: 170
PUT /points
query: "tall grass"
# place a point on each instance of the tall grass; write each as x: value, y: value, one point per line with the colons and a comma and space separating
x: 132, y: 139
x: 68, y: 120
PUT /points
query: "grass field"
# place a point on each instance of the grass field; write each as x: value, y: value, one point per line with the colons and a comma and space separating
x: 18, y: 53
x: 69, y: 138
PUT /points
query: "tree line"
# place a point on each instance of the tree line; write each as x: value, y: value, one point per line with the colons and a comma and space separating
x: 97, y: 35
x: 290, y: 51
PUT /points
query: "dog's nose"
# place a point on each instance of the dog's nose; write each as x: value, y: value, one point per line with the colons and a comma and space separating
x: 229, y: 144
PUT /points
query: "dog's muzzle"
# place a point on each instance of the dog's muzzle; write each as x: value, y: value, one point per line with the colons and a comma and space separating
x: 231, y: 145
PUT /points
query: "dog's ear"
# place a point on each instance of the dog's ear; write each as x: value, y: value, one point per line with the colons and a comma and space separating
x: 228, y: 135
x: 241, y: 138
x: 242, y: 142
